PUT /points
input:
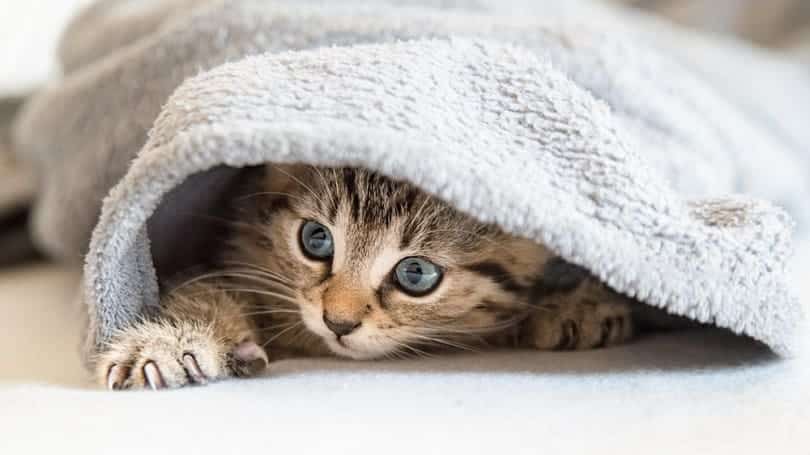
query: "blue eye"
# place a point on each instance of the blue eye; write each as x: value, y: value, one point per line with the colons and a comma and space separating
x: 316, y: 241
x: 417, y: 276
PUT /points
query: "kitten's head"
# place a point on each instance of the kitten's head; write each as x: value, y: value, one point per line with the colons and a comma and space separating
x: 376, y: 267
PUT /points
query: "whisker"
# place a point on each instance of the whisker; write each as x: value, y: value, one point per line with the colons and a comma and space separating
x: 452, y: 344
x: 273, y: 285
x: 482, y: 237
x: 260, y: 269
x: 225, y: 221
x: 484, y: 330
x: 247, y: 274
x: 248, y: 291
x: 271, y: 312
x: 226, y: 274
x: 301, y: 332
x: 268, y: 193
x: 282, y: 333
x: 296, y: 179
x: 278, y: 326
x: 425, y: 202
x: 277, y: 295
x: 400, y: 345
x: 320, y: 176
x: 451, y: 330
x: 398, y: 352
x: 417, y: 351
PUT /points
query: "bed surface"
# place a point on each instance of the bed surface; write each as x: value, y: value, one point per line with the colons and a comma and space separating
x: 702, y: 392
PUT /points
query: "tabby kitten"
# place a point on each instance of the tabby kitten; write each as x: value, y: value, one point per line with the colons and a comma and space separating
x: 351, y: 263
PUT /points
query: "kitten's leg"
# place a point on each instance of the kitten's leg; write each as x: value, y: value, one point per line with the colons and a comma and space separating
x: 201, y: 335
x: 585, y: 317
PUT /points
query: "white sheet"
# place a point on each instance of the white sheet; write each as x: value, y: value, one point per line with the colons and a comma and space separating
x: 694, y: 392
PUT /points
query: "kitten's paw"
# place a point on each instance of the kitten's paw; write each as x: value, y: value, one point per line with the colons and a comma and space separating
x: 168, y: 355
x: 582, y: 324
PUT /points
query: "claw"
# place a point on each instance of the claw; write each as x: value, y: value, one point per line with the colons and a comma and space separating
x: 153, y: 376
x: 115, y: 377
x: 569, y: 337
x: 193, y: 369
x: 606, y: 335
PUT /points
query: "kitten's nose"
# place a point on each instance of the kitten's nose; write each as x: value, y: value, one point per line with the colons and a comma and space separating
x: 340, y: 328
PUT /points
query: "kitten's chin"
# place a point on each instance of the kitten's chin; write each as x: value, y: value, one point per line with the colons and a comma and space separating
x: 346, y: 351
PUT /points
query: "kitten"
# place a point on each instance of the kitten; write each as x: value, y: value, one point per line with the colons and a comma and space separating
x: 350, y: 263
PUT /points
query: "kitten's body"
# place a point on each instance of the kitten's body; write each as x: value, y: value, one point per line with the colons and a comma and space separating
x: 486, y: 287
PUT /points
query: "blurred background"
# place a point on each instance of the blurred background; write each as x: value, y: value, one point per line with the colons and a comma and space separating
x: 781, y: 24
x: 29, y: 30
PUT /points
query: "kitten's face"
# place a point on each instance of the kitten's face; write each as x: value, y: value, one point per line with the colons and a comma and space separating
x: 377, y: 268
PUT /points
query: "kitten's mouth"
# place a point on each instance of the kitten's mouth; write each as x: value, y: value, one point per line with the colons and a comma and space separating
x: 340, y: 348
x: 354, y: 348
x: 343, y: 348
x: 358, y: 345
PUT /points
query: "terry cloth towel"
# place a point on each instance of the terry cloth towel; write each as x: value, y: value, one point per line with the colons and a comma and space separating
x: 553, y: 121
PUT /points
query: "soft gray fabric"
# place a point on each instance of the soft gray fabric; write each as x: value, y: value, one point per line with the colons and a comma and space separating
x: 16, y: 182
x: 549, y: 118
x: 17, y: 189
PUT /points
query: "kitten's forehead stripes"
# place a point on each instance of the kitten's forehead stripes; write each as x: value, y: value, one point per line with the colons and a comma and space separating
x: 369, y: 197
x: 373, y: 202
x: 352, y: 192
x: 332, y: 208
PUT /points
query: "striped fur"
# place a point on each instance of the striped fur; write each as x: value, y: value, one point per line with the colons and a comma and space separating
x: 496, y: 289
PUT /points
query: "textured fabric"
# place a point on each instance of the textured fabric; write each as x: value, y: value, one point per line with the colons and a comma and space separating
x: 554, y: 122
